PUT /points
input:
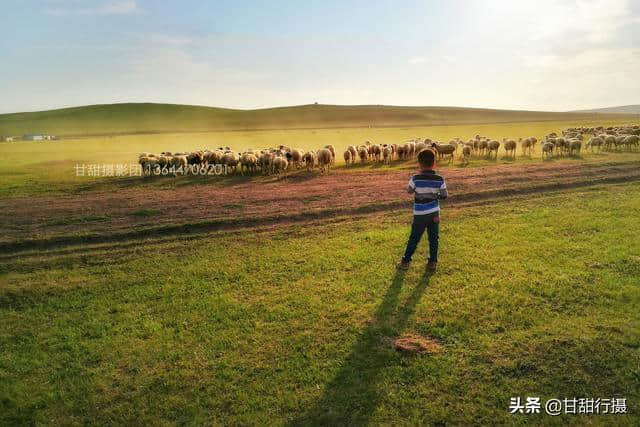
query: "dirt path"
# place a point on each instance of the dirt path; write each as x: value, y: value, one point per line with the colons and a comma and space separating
x: 296, y: 198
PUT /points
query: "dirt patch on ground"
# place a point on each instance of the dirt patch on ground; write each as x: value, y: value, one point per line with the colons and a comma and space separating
x: 417, y: 344
x: 295, y: 199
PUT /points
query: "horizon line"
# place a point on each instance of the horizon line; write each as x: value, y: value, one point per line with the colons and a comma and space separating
x: 314, y: 104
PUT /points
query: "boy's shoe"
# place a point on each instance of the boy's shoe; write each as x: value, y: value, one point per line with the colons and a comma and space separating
x: 403, y: 265
x: 432, y: 265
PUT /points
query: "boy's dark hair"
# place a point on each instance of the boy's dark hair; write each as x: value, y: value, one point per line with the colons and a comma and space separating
x: 426, y: 157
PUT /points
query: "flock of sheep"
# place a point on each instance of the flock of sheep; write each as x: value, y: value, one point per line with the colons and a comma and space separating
x: 279, y: 160
x: 268, y: 161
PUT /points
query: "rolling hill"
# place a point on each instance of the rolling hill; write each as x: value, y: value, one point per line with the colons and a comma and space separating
x: 623, y: 109
x: 155, y: 118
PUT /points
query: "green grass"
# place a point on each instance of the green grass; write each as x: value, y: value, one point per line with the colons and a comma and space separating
x: 532, y: 298
x: 29, y: 168
x: 154, y: 118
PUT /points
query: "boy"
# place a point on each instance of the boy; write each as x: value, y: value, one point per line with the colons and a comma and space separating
x: 428, y: 188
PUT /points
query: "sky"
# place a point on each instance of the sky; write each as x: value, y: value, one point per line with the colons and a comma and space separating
x: 536, y: 55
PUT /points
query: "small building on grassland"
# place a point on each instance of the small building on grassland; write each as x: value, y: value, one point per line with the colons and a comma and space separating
x: 33, y: 137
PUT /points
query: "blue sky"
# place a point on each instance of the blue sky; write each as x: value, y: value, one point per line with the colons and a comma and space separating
x: 544, y: 55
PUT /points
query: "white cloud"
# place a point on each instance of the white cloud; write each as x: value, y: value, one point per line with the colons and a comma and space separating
x: 563, y: 55
x: 417, y: 60
x: 84, y: 8
x: 592, y: 21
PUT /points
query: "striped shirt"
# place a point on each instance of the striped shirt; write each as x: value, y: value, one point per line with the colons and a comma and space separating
x: 428, y: 188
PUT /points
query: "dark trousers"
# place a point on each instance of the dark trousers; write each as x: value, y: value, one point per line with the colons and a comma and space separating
x: 421, y: 222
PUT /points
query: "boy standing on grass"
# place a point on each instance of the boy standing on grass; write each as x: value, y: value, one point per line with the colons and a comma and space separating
x: 428, y: 188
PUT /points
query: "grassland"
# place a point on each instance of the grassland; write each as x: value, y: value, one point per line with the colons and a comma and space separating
x: 166, y: 118
x: 289, y: 320
x: 292, y: 325
x: 29, y: 168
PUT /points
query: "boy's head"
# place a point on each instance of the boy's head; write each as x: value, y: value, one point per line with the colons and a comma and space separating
x: 426, y: 158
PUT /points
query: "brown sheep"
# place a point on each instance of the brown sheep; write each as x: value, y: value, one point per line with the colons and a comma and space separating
x: 309, y: 159
x: 149, y: 164
x: 509, y: 147
x: 164, y: 161
x: 493, y: 146
x: 195, y: 158
x: 483, y: 146
x: 230, y: 160
x: 179, y: 163
x: 376, y: 152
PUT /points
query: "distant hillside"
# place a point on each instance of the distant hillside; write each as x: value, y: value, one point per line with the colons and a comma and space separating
x: 623, y: 109
x: 150, y: 118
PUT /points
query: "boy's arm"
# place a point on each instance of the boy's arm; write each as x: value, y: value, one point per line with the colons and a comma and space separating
x: 443, y: 194
x: 411, y: 187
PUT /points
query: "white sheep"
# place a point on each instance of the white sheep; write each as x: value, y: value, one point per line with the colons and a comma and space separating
x: 279, y: 165
x: 296, y: 157
x: 466, y: 153
x: 363, y: 153
x: 348, y: 159
x: 332, y: 151
x: 325, y: 159
x: 248, y: 162
x: 444, y: 150
x: 386, y: 155
x: 354, y: 152
x: 526, y: 145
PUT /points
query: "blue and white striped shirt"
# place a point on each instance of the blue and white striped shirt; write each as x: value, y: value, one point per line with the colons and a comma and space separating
x: 428, y: 188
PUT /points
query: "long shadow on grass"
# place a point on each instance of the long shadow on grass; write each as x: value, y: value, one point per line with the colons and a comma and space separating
x: 354, y: 392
